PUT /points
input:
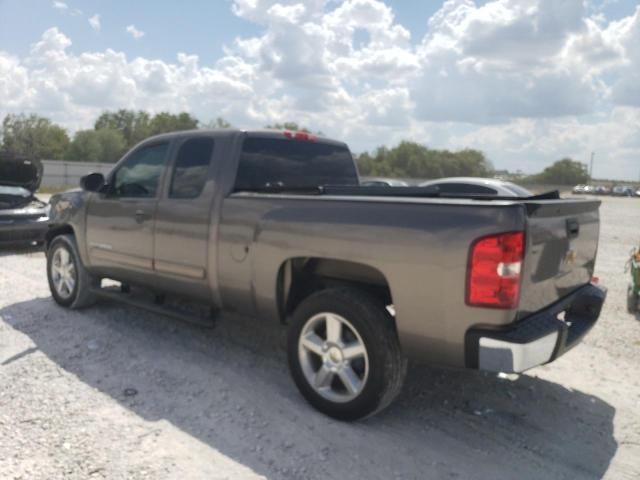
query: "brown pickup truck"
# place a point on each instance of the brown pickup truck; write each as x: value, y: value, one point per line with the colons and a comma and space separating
x: 276, y: 225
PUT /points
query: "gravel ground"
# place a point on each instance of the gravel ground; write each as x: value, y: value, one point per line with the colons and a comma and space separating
x: 116, y: 392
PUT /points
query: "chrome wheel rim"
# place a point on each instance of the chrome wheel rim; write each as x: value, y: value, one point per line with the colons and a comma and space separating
x: 333, y: 357
x: 63, y: 272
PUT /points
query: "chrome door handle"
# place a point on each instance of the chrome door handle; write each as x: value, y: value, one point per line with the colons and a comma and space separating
x: 141, y: 216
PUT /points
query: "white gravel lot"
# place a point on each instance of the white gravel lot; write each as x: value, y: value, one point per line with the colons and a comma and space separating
x: 119, y: 393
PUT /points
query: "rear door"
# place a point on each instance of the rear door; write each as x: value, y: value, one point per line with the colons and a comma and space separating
x: 119, y: 222
x: 183, y: 219
x: 562, y: 241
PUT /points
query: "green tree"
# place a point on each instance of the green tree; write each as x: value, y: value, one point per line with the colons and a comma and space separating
x: 134, y: 126
x: 33, y: 136
x: 564, y: 172
x: 412, y: 160
x: 293, y: 126
x: 165, y: 122
x: 103, y: 145
x: 217, y: 123
x: 85, y: 147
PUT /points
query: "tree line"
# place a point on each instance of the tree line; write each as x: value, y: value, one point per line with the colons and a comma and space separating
x: 412, y: 160
x: 115, y: 132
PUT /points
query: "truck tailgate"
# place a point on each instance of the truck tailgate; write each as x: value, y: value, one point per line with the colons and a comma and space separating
x: 562, y: 241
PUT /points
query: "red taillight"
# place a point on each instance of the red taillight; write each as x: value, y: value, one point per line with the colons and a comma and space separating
x: 495, y: 262
x: 307, y: 137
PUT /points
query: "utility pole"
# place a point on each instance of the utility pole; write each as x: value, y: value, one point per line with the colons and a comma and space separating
x: 591, y: 166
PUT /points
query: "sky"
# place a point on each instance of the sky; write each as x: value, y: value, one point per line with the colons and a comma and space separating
x: 526, y: 81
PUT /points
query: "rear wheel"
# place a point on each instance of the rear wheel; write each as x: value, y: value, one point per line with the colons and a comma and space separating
x: 69, y: 281
x: 344, y: 353
x: 632, y: 299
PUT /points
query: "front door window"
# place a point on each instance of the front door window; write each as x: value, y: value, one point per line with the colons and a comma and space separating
x: 139, y: 175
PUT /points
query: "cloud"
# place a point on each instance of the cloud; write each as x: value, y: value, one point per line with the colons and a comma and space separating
x: 504, y: 60
x: 60, y: 5
x: 74, y: 88
x: 135, y: 33
x: 95, y: 22
x: 528, y: 81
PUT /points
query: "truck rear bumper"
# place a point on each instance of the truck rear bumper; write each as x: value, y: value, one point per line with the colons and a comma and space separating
x: 537, y: 339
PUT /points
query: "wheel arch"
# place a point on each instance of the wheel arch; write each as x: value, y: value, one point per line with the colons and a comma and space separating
x: 56, y: 231
x: 299, y: 277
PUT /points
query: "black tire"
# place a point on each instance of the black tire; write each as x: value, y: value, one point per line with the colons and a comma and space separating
x: 386, y: 364
x: 632, y: 300
x: 81, y: 295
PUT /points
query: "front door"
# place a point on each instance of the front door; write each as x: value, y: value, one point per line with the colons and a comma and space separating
x: 120, y: 220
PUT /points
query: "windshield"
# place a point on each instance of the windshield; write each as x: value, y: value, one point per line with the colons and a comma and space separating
x: 274, y: 162
x: 517, y: 190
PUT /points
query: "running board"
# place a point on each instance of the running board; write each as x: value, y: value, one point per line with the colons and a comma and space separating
x: 190, y: 313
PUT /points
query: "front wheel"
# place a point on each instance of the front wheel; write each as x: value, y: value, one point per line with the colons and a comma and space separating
x: 344, y: 353
x: 70, y: 283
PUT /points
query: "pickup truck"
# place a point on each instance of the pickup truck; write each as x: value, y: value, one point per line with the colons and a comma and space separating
x: 275, y: 225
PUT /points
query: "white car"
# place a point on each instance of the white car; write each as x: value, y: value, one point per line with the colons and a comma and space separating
x: 383, y: 182
x: 478, y: 186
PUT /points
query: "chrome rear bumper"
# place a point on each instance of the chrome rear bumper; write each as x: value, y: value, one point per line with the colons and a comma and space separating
x: 539, y: 338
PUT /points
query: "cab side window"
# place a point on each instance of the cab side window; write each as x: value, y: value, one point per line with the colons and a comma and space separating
x: 191, y: 167
x: 139, y: 175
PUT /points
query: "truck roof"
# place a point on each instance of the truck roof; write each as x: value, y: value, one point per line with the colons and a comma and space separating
x: 265, y: 132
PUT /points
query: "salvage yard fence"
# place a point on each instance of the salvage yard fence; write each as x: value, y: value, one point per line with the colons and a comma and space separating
x: 61, y: 174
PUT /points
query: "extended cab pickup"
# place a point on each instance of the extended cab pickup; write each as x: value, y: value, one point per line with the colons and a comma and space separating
x: 275, y: 225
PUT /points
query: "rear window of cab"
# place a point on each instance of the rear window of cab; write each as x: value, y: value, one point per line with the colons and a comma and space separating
x: 275, y: 162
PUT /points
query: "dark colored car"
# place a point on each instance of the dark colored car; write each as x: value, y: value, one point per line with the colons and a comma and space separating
x: 23, y: 217
x: 603, y: 190
x: 623, y: 191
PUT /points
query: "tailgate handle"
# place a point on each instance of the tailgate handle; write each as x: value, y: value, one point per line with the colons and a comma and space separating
x: 573, y: 228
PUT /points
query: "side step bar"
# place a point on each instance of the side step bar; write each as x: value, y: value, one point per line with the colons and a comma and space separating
x: 190, y: 313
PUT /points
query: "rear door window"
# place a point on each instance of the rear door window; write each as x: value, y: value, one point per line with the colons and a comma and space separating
x: 191, y: 168
x: 274, y: 162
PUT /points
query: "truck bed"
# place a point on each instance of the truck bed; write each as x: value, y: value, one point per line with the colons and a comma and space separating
x: 419, y: 244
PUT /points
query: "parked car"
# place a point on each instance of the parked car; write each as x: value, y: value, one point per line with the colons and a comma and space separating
x: 602, y: 190
x: 477, y: 186
x: 623, y: 191
x: 276, y: 226
x: 23, y: 217
x: 383, y: 182
x: 578, y: 189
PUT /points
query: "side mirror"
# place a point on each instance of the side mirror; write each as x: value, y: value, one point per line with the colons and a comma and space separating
x: 92, y: 182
